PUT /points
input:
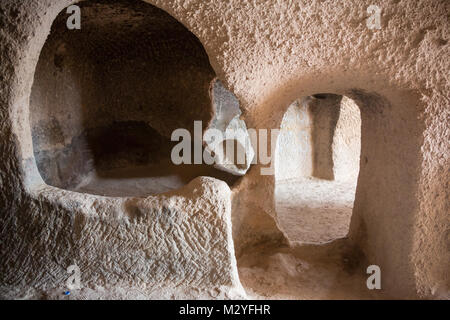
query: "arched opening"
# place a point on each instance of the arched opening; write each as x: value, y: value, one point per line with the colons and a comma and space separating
x: 317, y: 166
x: 106, y: 98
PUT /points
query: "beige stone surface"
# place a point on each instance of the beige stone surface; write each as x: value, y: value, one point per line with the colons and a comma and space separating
x: 227, y: 140
x: 268, y: 53
x: 175, y: 242
x: 294, y: 149
x: 314, y: 211
x: 346, y: 144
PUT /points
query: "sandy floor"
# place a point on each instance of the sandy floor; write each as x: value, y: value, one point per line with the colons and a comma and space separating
x: 314, y: 210
x: 308, y: 272
x: 312, y: 213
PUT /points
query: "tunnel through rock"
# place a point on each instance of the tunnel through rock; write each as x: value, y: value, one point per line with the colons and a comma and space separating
x: 317, y: 167
x: 106, y: 98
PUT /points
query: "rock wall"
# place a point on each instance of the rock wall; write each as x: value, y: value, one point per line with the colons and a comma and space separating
x: 346, y: 144
x: 294, y: 149
x: 269, y: 54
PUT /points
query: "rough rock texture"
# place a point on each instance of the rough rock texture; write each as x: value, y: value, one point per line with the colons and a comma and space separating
x: 176, y: 242
x: 269, y: 54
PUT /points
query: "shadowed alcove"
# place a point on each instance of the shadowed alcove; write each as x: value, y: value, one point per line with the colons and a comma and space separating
x: 107, y: 97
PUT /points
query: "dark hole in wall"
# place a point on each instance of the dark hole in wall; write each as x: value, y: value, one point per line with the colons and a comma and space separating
x: 321, y: 96
x: 106, y: 99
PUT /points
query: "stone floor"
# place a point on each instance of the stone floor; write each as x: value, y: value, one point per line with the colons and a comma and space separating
x: 312, y: 213
x: 303, y: 273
